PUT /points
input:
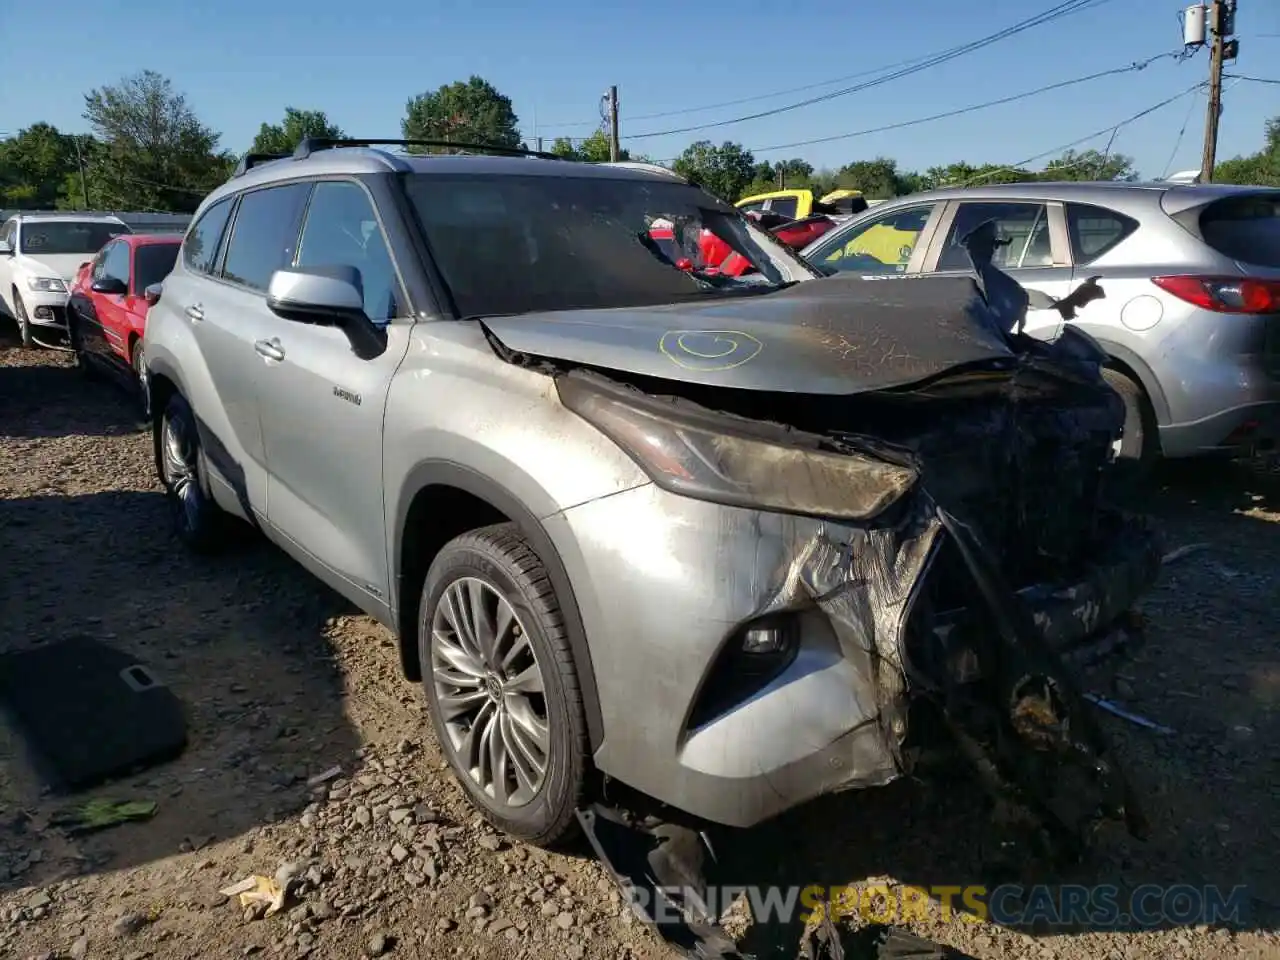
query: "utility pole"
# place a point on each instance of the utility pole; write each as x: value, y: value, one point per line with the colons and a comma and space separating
x: 1222, y: 22
x: 615, y: 150
x: 84, y: 183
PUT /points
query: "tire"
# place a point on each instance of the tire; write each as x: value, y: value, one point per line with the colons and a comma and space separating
x: 197, y: 520
x: 24, y: 322
x: 1140, y: 444
x: 138, y: 361
x: 497, y: 564
x: 82, y: 362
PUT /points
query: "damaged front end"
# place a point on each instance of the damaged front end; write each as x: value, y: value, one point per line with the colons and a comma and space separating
x: 958, y: 539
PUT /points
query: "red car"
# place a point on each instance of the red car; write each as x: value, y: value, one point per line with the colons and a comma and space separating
x: 716, y: 256
x: 108, y: 303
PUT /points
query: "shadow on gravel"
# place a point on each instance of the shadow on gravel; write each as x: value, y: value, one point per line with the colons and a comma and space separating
x: 238, y: 638
x: 57, y: 400
x: 1210, y: 671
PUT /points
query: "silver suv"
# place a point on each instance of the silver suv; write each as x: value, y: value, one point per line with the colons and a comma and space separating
x: 719, y: 539
x: 1191, y: 316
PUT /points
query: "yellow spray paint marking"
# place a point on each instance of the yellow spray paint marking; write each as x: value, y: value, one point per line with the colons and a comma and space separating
x: 709, y: 350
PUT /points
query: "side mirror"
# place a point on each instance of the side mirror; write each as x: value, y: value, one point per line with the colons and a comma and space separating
x: 331, y: 296
x: 152, y: 294
x: 111, y: 286
x: 5, y: 249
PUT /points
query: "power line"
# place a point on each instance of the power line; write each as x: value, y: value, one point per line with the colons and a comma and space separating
x: 960, y: 111
x: 1177, y: 144
x: 1114, y: 127
x: 1237, y: 76
x: 1048, y: 16
x: 684, y: 111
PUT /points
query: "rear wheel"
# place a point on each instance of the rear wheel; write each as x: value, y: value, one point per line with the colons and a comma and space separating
x: 139, y: 362
x: 1139, y: 446
x: 501, y: 686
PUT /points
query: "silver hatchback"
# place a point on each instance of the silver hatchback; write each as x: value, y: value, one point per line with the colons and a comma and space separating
x: 1191, y: 273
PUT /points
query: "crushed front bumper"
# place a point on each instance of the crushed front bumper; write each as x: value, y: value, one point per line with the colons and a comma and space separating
x: 666, y: 584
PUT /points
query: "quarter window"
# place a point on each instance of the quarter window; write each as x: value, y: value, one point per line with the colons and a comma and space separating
x: 884, y: 245
x: 1023, y: 230
x: 200, y: 248
x: 342, y: 230
x: 264, y: 234
x: 1095, y: 230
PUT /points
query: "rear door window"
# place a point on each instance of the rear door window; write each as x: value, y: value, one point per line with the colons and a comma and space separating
x: 1095, y: 230
x: 264, y: 236
x: 1022, y: 227
x: 1245, y: 228
x: 200, y: 248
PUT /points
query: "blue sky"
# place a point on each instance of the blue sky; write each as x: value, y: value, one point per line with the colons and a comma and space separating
x: 240, y: 62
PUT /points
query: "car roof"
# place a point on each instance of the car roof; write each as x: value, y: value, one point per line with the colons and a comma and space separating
x: 355, y: 161
x: 70, y: 217
x: 1081, y: 191
x: 150, y: 239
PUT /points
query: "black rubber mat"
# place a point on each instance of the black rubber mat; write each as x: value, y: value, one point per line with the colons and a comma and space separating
x: 89, y: 712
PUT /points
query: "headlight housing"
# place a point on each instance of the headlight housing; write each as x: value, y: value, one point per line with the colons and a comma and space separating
x: 47, y: 284
x: 707, y: 462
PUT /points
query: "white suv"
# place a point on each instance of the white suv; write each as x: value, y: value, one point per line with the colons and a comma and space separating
x: 39, y: 256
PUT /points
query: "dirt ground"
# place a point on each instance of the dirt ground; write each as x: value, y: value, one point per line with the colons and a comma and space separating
x: 283, y: 681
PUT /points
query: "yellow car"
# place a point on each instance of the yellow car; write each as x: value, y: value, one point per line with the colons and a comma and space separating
x: 799, y: 204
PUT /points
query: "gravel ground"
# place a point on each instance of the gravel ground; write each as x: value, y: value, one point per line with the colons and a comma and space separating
x: 283, y: 681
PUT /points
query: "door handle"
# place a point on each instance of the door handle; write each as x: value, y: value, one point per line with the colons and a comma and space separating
x: 270, y: 349
x: 195, y: 312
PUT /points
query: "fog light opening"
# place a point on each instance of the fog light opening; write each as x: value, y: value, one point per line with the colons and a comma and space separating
x: 765, y: 640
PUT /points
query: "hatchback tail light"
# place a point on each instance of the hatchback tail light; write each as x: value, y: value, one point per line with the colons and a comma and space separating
x: 1224, y: 294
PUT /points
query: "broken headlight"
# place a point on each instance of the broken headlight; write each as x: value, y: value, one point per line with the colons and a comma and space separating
x: 701, y: 456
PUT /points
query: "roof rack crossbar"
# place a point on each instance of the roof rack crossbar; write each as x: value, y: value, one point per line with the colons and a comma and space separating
x: 310, y: 145
x: 251, y: 160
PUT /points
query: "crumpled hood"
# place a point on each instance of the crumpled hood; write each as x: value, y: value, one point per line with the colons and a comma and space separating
x: 837, y: 335
x: 63, y: 266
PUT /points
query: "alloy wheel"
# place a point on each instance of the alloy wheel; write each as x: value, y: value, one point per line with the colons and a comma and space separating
x: 490, y: 692
x: 181, y: 471
x: 24, y: 322
x: 140, y: 372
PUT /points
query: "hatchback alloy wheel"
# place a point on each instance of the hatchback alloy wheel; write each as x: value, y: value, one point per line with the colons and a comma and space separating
x: 490, y: 691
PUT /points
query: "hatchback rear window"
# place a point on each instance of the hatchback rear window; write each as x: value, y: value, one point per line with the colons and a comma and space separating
x: 1245, y: 228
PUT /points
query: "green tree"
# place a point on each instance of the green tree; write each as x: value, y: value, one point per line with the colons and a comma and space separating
x: 1261, y: 168
x: 470, y: 111
x: 878, y: 179
x: 285, y: 136
x: 724, y: 171
x: 156, y: 155
x: 594, y: 149
x: 1090, y: 165
x: 33, y: 166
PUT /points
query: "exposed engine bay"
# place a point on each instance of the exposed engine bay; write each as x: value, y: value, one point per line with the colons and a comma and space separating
x: 987, y: 551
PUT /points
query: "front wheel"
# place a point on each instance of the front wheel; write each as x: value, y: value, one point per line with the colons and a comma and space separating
x: 24, y: 322
x: 501, y: 686
x: 82, y: 362
x: 197, y: 520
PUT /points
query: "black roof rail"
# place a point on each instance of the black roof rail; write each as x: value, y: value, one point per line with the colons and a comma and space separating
x: 251, y: 160
x: 310, y: 145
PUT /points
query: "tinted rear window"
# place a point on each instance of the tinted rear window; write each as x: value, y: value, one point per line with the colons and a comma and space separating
x: 1245, y: 228
x: 1095, y: 230
x: 152, y: 262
